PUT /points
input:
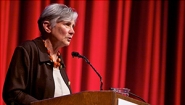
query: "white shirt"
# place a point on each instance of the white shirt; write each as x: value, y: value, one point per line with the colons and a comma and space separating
x: 60, y: 86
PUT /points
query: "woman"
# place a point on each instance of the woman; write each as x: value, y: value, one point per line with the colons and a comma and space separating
x: 37, y: 70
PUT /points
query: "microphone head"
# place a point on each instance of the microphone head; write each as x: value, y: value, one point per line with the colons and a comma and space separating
x: 75, y: 54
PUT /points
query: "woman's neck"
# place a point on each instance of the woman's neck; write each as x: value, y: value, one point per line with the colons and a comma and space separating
x: 52, y: 48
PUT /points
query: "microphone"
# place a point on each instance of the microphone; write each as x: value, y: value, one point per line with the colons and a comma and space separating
x: 76, y: 54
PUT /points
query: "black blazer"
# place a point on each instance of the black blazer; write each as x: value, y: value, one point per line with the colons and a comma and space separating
x: 30, y: 74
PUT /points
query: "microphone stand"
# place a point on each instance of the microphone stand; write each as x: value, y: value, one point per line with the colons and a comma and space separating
x: 80, y: 56
x: 101, y: 81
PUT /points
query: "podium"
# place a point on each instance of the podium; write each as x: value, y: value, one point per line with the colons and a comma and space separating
x: 107, y: 97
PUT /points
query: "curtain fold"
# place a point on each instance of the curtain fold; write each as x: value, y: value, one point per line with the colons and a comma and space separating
x: 3, y: 46
x: 179, y: 52
x: 134, y: 44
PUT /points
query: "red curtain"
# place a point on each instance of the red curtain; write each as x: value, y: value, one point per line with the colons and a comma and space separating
x: 134, y: 44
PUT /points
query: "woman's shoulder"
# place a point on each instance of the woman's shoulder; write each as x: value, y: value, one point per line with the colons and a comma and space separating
x: 30, y: 44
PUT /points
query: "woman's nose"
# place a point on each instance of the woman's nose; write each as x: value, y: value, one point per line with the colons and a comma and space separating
x: 71, y: 31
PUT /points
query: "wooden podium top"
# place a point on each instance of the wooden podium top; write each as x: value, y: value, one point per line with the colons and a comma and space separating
x: 89, y: 98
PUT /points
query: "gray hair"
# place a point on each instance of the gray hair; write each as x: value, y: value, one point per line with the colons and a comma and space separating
x: 55, y: 13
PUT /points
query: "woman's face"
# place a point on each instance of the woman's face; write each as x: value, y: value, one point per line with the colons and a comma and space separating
x: 63, y: 32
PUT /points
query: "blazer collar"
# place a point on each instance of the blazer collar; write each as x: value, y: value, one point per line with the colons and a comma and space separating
x: 43, y: 55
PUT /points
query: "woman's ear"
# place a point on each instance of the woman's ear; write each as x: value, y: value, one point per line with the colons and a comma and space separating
x: 46, y: 26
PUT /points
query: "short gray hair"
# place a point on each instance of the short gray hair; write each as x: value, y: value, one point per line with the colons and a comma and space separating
x: 56, y: 13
